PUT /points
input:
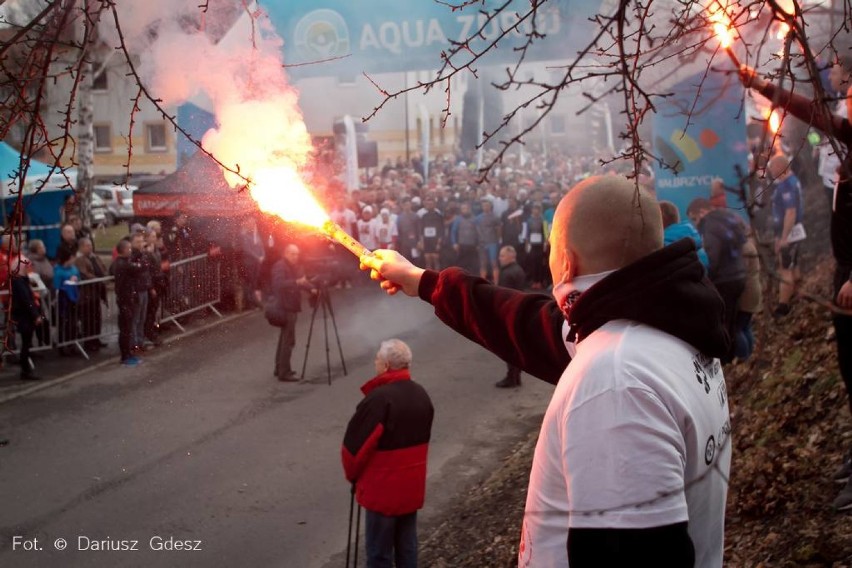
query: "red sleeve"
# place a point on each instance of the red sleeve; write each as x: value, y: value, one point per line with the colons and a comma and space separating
x: 362, y: 437
x: 521, y: 328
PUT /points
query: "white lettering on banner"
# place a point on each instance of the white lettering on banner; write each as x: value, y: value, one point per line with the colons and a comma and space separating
x: 435, y: 34
x: 509, y: 19
x: 406, y: 33
x: 488, y: 30
x: 467, y: 24
x: 369, y: 39
x: 685, y: 181
x: 547, y: 22
x: 394, y: 36
x: 390, y: 37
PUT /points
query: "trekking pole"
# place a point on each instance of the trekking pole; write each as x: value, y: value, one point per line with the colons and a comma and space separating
x: 357, y: 533
x: 349, y: 532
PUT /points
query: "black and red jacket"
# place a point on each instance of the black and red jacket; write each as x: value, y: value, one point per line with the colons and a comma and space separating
x: 387, y: 443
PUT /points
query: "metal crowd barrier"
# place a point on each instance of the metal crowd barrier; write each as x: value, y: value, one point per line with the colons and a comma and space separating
x: 94, y: 317
x: 193, y: 285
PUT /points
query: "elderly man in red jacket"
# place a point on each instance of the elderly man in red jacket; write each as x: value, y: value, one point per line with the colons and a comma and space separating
x: 384, y: 454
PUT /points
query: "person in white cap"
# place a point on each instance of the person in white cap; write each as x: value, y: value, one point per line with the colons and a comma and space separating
x: 365, y: 228
x: 384, y: 230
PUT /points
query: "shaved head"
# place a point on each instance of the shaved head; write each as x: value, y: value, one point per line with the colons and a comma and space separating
x: 604, y: 223
x: 778, y: 165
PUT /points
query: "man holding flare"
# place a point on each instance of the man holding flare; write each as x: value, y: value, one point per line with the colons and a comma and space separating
x: 631, y: 463
x: 840, y: 129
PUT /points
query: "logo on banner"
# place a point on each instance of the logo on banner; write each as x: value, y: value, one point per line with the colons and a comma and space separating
x: 322, y: 34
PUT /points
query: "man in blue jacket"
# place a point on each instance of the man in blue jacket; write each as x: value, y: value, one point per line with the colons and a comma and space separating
x: 674, y: 230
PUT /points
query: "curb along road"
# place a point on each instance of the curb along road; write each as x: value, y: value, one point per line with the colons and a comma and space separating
x: 43, y: 385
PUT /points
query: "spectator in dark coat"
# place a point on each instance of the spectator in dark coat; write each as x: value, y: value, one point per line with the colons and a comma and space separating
x: 154, y: 255
x: 126, y: 271
x: 181, y: 241
x: 511, y: 276
x: 287, y: 282
x: 67, y: 242
x: 144, y: 284
x: 92, y: 295
x: 26, y: 314
x: 723, y: 234
x: 384, y: 455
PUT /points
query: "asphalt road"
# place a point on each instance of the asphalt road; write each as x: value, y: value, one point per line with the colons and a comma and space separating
x: 201, y: 443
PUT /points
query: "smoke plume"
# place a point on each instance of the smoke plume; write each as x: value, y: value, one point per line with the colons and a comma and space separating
x: 231, y: 56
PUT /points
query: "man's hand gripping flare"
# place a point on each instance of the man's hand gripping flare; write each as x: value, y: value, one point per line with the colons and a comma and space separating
x: 393, y: 271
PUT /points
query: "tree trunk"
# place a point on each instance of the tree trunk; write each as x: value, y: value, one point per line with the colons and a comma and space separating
x: 85, y: 116
x: 85, y: 143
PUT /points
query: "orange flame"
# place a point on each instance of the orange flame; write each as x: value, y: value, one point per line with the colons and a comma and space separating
x: 281, y: 191
x: 721, y: 25
x: 772, y: 118
x: 774, y: 121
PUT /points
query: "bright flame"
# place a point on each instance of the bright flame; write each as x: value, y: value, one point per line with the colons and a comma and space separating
x: 774, y: 121
x: 281, y: 191
x: 723, y: 32
x: 722, y: 25
x: 772, y: 118
x: 783, y: 30
x: 788, y: 6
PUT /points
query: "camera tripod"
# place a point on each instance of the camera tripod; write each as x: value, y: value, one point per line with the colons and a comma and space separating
x: 323, y: 300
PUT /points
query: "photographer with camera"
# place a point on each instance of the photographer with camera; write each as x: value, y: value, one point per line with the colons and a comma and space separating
x: 282, y: 307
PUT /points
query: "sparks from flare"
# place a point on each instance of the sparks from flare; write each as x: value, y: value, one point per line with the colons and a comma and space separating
x: 282, y: 192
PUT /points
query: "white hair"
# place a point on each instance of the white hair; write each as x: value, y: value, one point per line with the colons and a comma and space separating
x: 395, y: 353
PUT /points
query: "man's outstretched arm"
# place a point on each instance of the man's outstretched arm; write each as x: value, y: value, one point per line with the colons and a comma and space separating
x: 523, y: 329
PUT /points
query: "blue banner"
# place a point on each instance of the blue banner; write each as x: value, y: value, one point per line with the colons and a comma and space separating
x: 376, y: 36
x: 713, y: 144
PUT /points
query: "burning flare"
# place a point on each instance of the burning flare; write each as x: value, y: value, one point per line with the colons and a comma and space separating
x: 722, y: 28
x: 774, y: 121
x: 282, y: 192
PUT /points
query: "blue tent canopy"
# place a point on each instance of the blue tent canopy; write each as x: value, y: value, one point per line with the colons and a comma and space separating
x: 10, y: 162
x: 42, y: 210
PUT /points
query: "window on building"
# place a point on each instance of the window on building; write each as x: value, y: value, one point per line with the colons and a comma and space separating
x: 156, y: 137
x: 103, y: 137
x: 100, y: 83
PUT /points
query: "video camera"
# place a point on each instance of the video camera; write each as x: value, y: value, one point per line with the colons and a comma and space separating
x: 322, y: 271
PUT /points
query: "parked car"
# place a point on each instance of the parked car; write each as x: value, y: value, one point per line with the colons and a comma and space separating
x: 118, y: 200
x: 98, y: 211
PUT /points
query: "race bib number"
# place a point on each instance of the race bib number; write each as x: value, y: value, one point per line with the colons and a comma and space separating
x: 430, y: 232
x: 797, y: 233
x: 536, y: 238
